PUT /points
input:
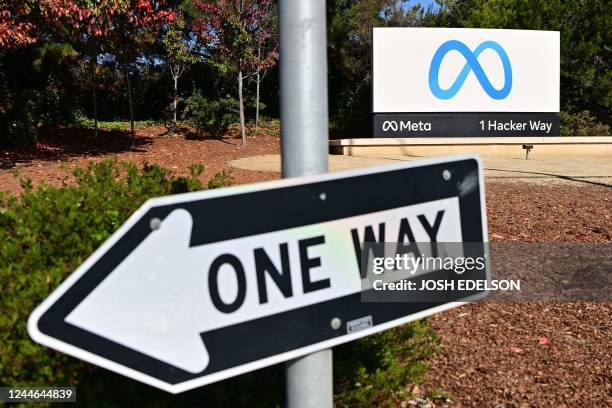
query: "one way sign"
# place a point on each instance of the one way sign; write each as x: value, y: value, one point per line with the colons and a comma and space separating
x: 199, y: 287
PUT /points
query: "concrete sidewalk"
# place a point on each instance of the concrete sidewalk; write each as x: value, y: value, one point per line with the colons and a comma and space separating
x: 497, y: 167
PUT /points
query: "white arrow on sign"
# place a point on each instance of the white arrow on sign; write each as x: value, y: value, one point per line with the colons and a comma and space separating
x: 150, y: 301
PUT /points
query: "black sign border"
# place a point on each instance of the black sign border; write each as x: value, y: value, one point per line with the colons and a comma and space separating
x: 228, y: 216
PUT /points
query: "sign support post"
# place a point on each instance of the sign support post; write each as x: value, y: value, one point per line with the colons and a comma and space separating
x: 304, y: 139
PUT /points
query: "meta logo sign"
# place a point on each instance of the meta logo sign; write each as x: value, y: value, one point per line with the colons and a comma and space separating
x: 452, y: 70
x: 471, y: 65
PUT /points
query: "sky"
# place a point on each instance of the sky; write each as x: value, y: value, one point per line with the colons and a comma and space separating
x: 424, y: 3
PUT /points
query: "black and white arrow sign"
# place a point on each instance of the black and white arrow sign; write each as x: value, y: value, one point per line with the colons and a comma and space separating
x: 199, y: 287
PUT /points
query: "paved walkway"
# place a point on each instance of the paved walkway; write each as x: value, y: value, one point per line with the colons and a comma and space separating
x: 502, y: 168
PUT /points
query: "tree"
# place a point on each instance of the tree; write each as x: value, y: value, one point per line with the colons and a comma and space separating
x: 126, y: 27
x: 229, y: 30
x: 267, y: 45
x: 179, y: 54
x: 122, y: 26
x: 132, y: 28
x: 84, y: 24
x: 350, y: 50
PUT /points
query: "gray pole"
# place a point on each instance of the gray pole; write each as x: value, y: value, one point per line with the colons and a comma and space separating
x: 310, y: 381
x: 304, y: 129
x: 303, y: 87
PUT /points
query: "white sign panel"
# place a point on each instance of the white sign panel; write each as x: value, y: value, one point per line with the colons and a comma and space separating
x: 465, y: 70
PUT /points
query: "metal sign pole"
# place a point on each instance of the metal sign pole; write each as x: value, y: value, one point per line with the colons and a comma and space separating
x: 303, y: 87
x: 304, y: 139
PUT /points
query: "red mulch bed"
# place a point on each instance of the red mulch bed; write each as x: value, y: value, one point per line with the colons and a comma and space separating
x: 491, y: 353
x: 61, y: 150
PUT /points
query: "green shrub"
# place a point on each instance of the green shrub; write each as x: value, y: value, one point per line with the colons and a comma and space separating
x: 79, y: 120
x: 44, y: 235
x: 582, y: 124
x: 221, y: 179
x: 55, y: 105
x: 212, y: 116
x: 377, y: 370
x: 18, y: 119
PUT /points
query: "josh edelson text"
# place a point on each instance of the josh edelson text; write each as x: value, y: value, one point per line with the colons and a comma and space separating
x: 401, y: 265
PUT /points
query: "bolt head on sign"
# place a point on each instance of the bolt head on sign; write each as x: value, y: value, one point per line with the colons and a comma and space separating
x: 175, y: 297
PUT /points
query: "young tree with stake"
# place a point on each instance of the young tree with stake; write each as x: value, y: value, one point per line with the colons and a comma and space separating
x: 267, y: 44
x: 179, y: 55
x: 228, y: 28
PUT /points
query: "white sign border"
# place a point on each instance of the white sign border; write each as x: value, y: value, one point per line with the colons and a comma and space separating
x: 95, y: 359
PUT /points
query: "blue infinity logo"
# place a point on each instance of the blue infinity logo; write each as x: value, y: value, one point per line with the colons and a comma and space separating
x: 472, y: 64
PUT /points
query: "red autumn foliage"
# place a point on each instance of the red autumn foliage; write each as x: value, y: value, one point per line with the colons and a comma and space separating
x: 73, y: 19
x: 234, y: 29
x: 13, y: 32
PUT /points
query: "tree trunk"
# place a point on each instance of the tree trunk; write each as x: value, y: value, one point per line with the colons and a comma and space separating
x: 241, y: 99
x: 257, y: 102
x: 257, y: 92
x: 129, y: 87
x: 93, y: 90
x: 175, y: 107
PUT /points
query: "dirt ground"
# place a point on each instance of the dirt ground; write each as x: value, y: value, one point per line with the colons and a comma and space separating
x: 492, y: 354
x: 539, y: 353
x: 60, y: 151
